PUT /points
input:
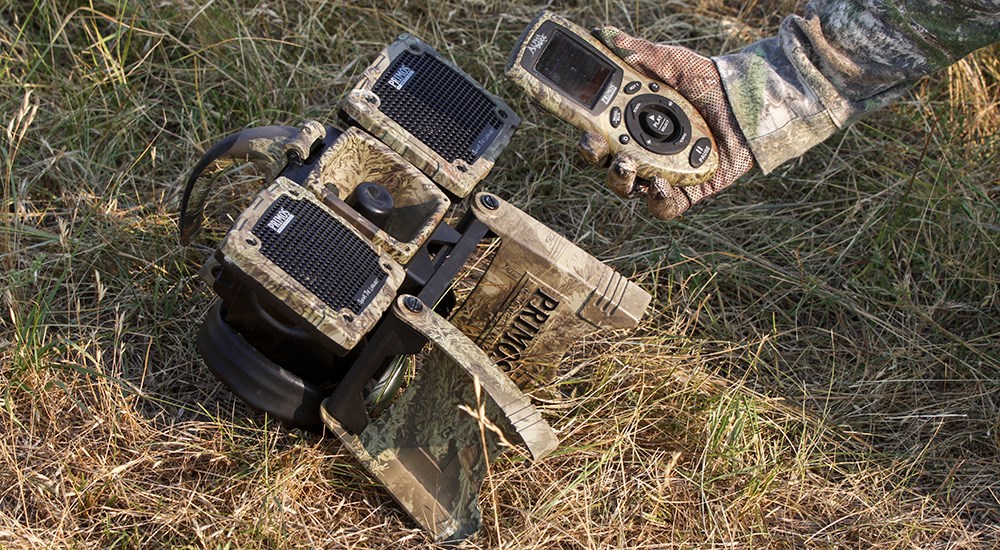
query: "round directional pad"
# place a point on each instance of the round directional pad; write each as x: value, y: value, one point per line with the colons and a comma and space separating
x: 658, y: 124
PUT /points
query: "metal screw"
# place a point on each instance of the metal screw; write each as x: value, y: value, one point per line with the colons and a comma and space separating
x: 490, y: 201
x: 413, y: 304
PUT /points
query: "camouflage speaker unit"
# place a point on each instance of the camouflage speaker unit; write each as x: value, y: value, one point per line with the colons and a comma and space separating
x: 339, y: 278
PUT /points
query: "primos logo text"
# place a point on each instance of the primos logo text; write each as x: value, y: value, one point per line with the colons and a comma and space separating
x: 538, y: 41
x: 399, y: 78
x: 609, y: 94
x: 281, y: 220
x: 524, y: 328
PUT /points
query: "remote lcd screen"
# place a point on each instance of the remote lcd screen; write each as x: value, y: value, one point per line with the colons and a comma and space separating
x: 574, y: 70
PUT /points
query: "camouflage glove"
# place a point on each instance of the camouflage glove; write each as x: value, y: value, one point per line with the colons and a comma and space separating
x: 696, y: 78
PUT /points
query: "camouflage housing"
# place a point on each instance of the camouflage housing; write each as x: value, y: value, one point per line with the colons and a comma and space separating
x: 355, y: 158
x: 541, y: 294
x: 432, y: 113
x: 674, y: 168
x: 323, y: 272
x: 243, y: 248
x: 432, y: 447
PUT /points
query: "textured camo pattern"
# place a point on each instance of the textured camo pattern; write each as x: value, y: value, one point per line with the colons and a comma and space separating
x: 241, y: 249
x: 361, y: 104
x: 300, y: 145
x: 262, y: 146
x: 844, y: 59
x: 673, y: 169
x: 355, y: 158
x: 432, y: 448
x: 540, y: 295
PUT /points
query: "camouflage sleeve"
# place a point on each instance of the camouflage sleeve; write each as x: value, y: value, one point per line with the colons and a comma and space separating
x: 844, y: 59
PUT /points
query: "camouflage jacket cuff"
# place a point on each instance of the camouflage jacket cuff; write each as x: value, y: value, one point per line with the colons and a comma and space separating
x: 781, y: 118
x: 785, y: 104
x: 844, y: 59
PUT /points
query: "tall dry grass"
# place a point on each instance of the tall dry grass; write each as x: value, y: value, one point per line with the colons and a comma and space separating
x: 818, y: 369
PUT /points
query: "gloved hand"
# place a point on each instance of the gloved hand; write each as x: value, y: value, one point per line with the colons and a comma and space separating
x: 696, y: 78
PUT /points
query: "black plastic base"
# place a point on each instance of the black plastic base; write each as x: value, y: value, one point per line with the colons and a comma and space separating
x: 262, y: 383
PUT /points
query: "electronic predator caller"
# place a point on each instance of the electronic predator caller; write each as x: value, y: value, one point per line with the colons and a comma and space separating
x: 339, y: 277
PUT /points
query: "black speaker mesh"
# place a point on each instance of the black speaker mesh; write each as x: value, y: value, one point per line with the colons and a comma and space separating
x: 318, y: 251
x: 438, y: 105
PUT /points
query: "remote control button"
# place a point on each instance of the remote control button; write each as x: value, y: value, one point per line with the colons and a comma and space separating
x: 657, y: 124
x: 700, y: 152
x: 624, y: 139
x: 654, y: 87
x: 616, y: 117
x: 633, y: 87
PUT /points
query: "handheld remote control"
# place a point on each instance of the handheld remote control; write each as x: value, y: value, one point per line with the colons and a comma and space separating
x: 578, y: 79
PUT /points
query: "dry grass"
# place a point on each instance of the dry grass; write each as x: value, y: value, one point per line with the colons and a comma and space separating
x: 819, y: 367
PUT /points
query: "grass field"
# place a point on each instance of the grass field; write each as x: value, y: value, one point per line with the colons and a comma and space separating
x: 819, y: 367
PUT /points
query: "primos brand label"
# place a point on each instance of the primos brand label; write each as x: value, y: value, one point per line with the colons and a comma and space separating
x: 537, y: 42
x: 609, y: 94
x: 280, y: 220
x: 399, y: 78
x: 523, y: 329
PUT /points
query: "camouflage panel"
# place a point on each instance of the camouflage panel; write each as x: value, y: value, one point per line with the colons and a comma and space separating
x: 263, y: 146
x: 428, y: 449
x: 675, y: 169
x: 540, y: 295
x: 243, y: 249
x: 845, y: 59
x: 363, y: 105
x: 355, y: 158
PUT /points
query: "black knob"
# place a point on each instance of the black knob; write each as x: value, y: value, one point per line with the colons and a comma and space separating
x: 657, y: 124
x: 374, y: 202
x: 489, y: 201
x: 413, y: 304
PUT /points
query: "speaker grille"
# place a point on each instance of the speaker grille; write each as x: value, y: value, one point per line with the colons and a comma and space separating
x: 437, y: 105
x: 319, y: 252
